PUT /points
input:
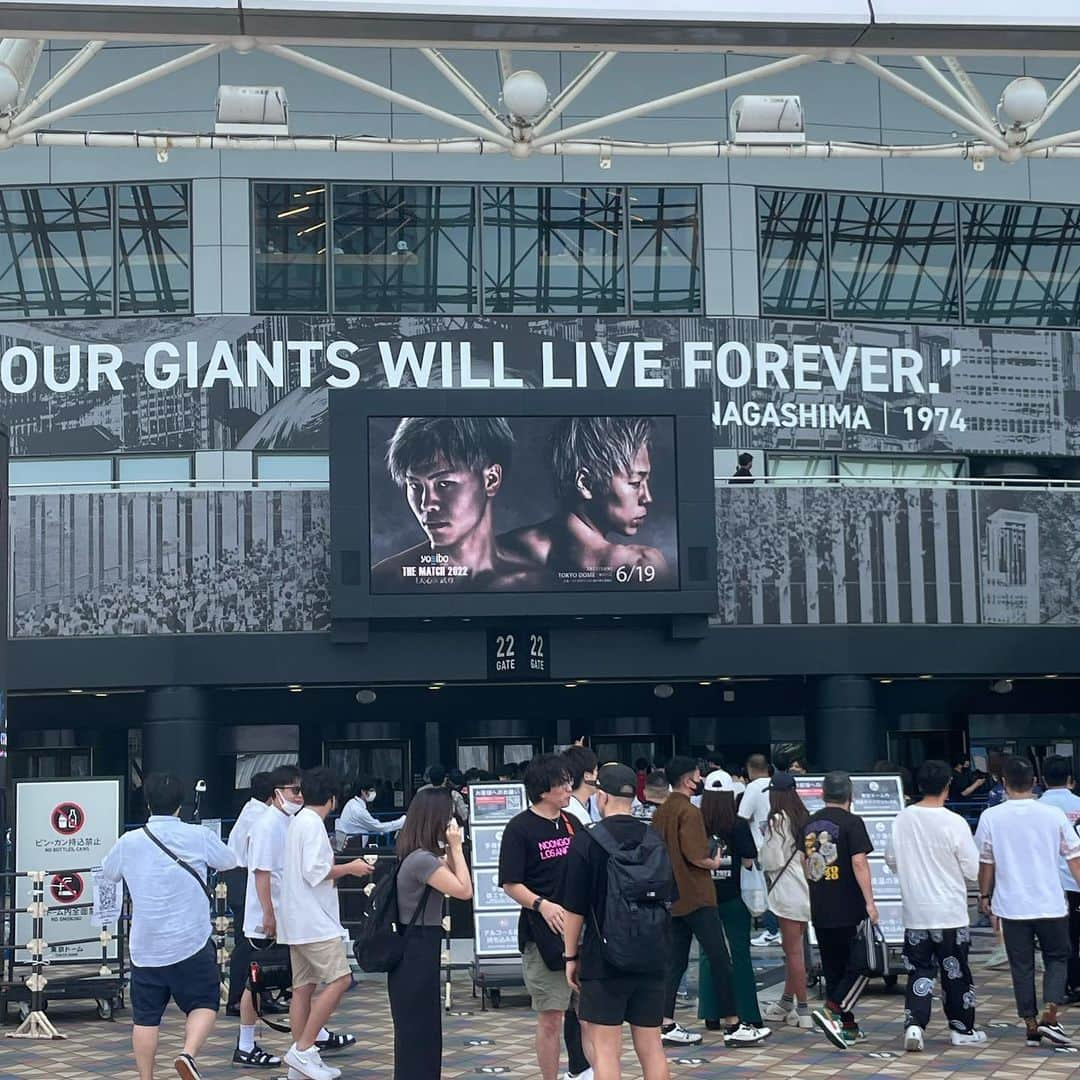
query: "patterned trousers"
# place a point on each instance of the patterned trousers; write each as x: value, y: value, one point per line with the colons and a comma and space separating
x: 928, y: 953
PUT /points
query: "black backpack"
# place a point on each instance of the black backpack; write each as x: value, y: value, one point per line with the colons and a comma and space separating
x: 379, y: 940
x: 637, y: 918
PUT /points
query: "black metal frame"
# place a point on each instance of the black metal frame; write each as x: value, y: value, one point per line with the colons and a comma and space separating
x: 350, y: 411
x: 964, y: 209
x: 624, y: 240
x: 38, y: 232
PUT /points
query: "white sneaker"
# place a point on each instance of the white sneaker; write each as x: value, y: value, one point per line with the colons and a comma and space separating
x: 967, y: 1038
x: 913, y: 1039
x: 797, y: 1019
x: 308, y: 1064
x: 747, y: 1035
x: 765, y: 939
x: 679, y: 1036
x: 586, y: 1075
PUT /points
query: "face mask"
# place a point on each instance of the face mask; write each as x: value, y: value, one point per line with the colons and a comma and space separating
x: 290, y: 808
x: 699, y: 788
x: 368, y: 796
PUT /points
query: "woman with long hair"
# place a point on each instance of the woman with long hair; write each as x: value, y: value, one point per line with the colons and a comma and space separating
x: 430, y: 865
x: 735, y: 844
x: 789, y: 896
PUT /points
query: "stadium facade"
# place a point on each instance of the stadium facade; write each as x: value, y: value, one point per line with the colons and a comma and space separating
x: 878, y: 301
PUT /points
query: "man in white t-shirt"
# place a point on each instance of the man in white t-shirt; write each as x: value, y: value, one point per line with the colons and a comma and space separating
x: 236, y: 883
x: 584, y: 767
x: 754, y: 807
x: 264, y: 853
x: 1021, y: 842
x: 1058, y: 778
x: 932, y: 853
x: 308, y: 921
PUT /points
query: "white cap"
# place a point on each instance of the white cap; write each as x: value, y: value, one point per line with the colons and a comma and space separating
x: 719, y: 780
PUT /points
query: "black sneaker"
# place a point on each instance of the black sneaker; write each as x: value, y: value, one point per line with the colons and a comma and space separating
x: 255, y: 1058
x: 1033, y: 1037
x: 1054, y: 1033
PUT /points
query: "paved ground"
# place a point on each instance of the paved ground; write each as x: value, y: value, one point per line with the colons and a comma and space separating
x: 498, y: 1042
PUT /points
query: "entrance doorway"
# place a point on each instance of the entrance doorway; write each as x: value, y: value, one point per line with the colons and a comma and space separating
x: 388, y: 761
x: 491, y: 755
x: 656, y: 750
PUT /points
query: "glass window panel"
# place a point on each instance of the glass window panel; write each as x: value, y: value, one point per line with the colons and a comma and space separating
x: 143, y: 473
x: 793, y: 469
x: 154, y: 248
x: 791, y: 228
x: 407, y: 249
x: 290, y: 246
x: 895, y: 470
x: 51, y: 475
x: 56, y: 251
x: 893, y: 258
x: 293, y: 470
x: 665, y: 243
x: 1021, y: 264
x: 553, y: 250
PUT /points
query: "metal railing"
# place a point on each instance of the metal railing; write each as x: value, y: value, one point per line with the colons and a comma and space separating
x: 1018, y: 483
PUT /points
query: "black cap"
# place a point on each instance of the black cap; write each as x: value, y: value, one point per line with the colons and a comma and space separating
x: 782, y: 781
x: 618, y: 780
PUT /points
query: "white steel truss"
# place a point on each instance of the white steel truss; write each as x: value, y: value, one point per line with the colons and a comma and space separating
x: 35, y: 119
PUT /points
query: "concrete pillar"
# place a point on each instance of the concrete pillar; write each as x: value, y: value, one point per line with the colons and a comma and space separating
x: 845, y: 731
x: 179, y: 738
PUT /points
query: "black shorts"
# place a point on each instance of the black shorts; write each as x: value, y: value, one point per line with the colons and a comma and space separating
x: 636, y: 999
x: 194, y: 983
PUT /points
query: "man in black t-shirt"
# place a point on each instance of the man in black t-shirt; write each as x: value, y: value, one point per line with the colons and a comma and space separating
x: 610, y: 996
x: 531, y: 861
x: 835, y: 845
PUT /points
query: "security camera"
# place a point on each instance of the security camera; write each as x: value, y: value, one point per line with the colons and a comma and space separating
x: 365, y: 697
x: 200, y: 786
x: 1001, y: 686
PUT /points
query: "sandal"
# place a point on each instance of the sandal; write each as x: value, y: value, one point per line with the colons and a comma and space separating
x: 255, y: 1058
x: 335, y: 1041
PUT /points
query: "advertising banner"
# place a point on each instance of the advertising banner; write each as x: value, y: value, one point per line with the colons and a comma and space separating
x: 425, y: 501
x: 64, y: 827
x: 262, y: 382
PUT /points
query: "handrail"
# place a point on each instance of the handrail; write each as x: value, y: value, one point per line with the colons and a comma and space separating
x: 105, y: 486
x: 1019, y: 483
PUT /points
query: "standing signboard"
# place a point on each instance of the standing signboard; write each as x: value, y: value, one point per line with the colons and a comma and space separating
x: 877, y: 798
x: 495, y: 915
x: 64, y: 827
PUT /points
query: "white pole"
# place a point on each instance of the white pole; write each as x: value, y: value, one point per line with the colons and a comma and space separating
x: 1057, y: 99
x: 469, y: 92
x: 60, y: 79
x: 571, y: 91
x: 122, y: 87
x: 506, y: 65
x: 393, y: 96
x: 967, y: 83
x: 883, y: 73
x: 576, y: 148
x: 957, y: 95
x: 726, y: 83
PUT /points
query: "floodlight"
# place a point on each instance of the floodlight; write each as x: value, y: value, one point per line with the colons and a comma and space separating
x: 252, y: 110
x: 1023, y: 101
x: 762, y: 118
x: 18, y: 58
x: 525, y: 94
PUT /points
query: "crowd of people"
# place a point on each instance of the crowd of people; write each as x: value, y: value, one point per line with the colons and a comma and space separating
x: 617, y: 870
x: 283, y: 587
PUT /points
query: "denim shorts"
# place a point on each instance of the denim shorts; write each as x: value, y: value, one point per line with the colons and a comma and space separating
x: 194, y: 983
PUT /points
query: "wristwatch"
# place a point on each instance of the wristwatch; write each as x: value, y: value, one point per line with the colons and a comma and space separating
x: 537, y: 902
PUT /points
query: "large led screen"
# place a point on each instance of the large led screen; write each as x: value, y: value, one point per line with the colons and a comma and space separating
x: 485, y: 504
